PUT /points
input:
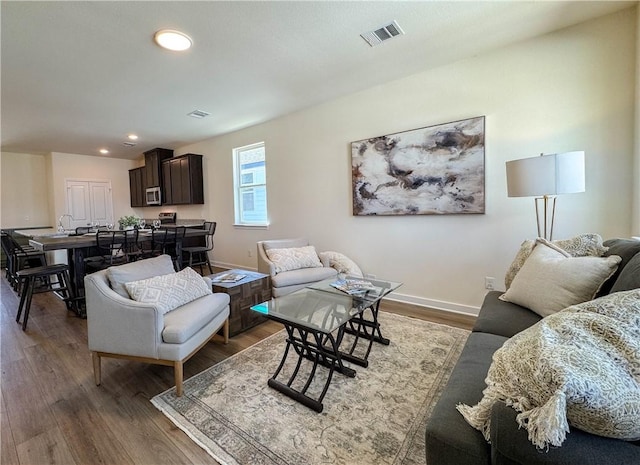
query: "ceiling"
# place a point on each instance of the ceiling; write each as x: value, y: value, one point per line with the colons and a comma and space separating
x: 80, y: 76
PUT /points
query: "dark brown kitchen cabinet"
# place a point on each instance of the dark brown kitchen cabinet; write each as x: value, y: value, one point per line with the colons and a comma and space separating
x: 182, y: 181
x: 137, y: 182
x: 152, y: 163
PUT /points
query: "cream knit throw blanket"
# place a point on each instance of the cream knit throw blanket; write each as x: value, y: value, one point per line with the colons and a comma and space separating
x: 580, y: 366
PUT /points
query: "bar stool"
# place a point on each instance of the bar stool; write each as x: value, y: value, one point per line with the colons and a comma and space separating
x: 27, y: 279
x: 19, y: 257
x: 201, y: 253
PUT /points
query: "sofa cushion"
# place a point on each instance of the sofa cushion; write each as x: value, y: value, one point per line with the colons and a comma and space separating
x: 625, y: 249
x: 449, y: 439
x: 629, y: 278
x: 170, y: 291
x: 577, y: 367
x: 503, y: 318
x: 582, y: 245
x: 182, y: 323
x: 135, y: 271
x: 551, y: 280
x: 510, y: 445
x: 294, y: 258
x: 341, y: 263
x: 302, y: 276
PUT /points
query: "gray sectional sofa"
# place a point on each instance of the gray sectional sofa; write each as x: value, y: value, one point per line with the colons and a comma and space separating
x: 449, y: 438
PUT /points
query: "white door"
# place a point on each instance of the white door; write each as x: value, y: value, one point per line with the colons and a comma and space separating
x: 87, y: 202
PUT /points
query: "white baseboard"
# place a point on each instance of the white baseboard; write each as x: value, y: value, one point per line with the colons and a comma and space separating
x: 435, y: 304
x: 410, y: 299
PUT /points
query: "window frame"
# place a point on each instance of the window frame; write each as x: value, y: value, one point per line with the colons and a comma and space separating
x: 239, y: 187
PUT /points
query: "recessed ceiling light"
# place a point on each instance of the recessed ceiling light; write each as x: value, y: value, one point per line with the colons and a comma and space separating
x: 172, y: 40
x: 104, y: 151
x: 132, y: 137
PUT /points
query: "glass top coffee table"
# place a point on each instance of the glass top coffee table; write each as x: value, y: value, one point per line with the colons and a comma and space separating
x: 316, y: 319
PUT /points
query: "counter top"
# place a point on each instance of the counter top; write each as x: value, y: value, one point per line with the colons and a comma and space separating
x: 43, y: 232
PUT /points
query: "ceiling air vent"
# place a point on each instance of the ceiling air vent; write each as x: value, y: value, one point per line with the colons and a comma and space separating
x: 129, y: 144
x: 198, y: 114
x: 386, y: 32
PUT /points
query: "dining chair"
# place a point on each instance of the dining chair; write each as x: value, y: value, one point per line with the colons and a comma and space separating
x: 199, y: 255
x: 28, y: 279
x: 131, y: 247
x: 19, y: 257
x: 173, y: 245
x: 111, y: 251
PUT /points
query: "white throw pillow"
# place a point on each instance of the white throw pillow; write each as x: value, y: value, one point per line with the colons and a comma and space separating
x: 582, y: 245
x: 170, y: 291
x: 294, y: 258
x: 551, y: 280
x: 341, y: 263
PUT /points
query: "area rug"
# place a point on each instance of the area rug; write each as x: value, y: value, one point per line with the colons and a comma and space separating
x: 378, y: 417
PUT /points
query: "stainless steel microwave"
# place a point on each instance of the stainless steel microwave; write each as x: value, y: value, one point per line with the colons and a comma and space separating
x: 153, y: 196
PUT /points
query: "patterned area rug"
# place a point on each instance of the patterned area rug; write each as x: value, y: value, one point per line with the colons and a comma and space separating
x: 378, y: 417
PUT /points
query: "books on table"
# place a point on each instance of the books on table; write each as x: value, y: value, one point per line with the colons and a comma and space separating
x: 229, y: 278
x: 354, y: 286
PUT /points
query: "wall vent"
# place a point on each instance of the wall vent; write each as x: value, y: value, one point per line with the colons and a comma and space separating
x: 198, y: 114
x: 386, y: 32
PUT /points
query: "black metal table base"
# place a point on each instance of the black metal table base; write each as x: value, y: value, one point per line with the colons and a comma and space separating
x: 320, y: 349
x: 323, y: 349
x: 367, y: 329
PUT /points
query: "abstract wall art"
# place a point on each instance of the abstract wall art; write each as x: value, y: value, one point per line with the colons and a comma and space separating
x: 427, y: 171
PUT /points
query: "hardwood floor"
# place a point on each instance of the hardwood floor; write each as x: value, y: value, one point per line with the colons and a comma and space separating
x: 51, y: 412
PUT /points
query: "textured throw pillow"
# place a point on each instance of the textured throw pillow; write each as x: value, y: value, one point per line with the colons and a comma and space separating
x: 578, y: 367
x: 294, y: 258
x: 551, y: 280
x: 170, y: 291
x: 341, y: 263
x: 583, y: 245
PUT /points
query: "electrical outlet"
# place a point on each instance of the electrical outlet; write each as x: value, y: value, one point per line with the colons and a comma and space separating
x: 489, y: 283
x: 249, y: 253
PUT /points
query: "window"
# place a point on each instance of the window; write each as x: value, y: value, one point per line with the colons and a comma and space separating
x: 250, y: 185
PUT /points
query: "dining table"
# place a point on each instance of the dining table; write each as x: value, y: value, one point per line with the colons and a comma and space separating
x: 81, y: 246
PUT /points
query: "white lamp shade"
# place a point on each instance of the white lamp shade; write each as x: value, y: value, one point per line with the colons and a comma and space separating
x: 558, y: 173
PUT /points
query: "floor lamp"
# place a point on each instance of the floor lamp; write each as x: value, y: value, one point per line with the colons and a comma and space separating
x: 544, y: 177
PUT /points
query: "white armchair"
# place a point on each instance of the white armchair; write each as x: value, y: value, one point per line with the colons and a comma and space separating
x: 120, y: 327
x: 286, y: 282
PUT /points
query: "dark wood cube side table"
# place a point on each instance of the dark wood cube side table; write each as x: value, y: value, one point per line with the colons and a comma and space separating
x: 251, y: 290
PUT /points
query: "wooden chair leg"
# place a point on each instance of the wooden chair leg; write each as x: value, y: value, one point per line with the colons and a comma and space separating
x: 225, y: 331
x: 177, y: 370
x: 97, y: 371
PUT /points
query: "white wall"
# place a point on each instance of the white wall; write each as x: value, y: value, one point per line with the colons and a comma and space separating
x: 25, y: 190
x: 71, y: 166
x: 570, y: 90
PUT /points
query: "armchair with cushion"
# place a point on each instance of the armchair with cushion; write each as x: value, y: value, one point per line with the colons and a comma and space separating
x: 172, y: 317
x: 292, y: 265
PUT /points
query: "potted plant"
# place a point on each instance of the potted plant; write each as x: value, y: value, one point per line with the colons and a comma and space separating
x: 128, y: 222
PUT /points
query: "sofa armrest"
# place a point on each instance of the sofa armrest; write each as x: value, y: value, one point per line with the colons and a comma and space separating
x: 119, y: 325
x: 510, y: 445
x: 265, y: 265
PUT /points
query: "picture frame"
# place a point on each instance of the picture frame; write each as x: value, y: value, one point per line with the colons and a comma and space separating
x: 433, y: 170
